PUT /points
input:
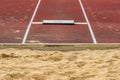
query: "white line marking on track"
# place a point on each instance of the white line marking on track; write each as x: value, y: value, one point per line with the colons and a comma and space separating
x: 82, y: 23
x: 30, y: 23
x: 89, y: 25
x: 37, y: 22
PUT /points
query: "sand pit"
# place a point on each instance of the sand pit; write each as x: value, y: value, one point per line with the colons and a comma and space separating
x: 26, y: 64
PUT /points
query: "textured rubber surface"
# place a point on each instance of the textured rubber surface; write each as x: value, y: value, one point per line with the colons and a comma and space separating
x: 14, y: 19
x: 59, y: 34
x: 60, y: 10
x: 104, y: 17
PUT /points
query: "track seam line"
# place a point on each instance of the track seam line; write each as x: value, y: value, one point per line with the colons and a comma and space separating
x: 30, y: 23
x: 89, y: 25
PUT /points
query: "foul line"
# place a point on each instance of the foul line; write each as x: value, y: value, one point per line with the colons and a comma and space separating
x: 89, y: 26
x: 37, y: 22
x: 81, y: 23
x: 30, y: 23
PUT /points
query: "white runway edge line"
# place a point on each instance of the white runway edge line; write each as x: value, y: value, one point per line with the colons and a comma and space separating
x: 89, y: 26
x: 30, y: 23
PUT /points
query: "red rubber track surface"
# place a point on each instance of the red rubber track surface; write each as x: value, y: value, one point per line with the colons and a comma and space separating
x: 59, y: 34
x: 59, y: 10
x: 14, y: 18
x: 104, y: 16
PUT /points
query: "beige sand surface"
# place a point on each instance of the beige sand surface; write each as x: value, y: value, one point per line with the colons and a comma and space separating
x: 87, y: 64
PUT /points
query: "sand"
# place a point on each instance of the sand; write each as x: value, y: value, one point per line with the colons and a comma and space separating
x: 26, y: 64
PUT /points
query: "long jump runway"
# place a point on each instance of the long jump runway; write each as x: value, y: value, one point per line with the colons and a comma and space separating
x: 95, y: 21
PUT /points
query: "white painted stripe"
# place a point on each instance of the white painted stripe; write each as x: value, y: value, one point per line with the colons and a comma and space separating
x: 80, y: 23
x: 37, y: 22
x: 89, y: 25
x: 30, y: 23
